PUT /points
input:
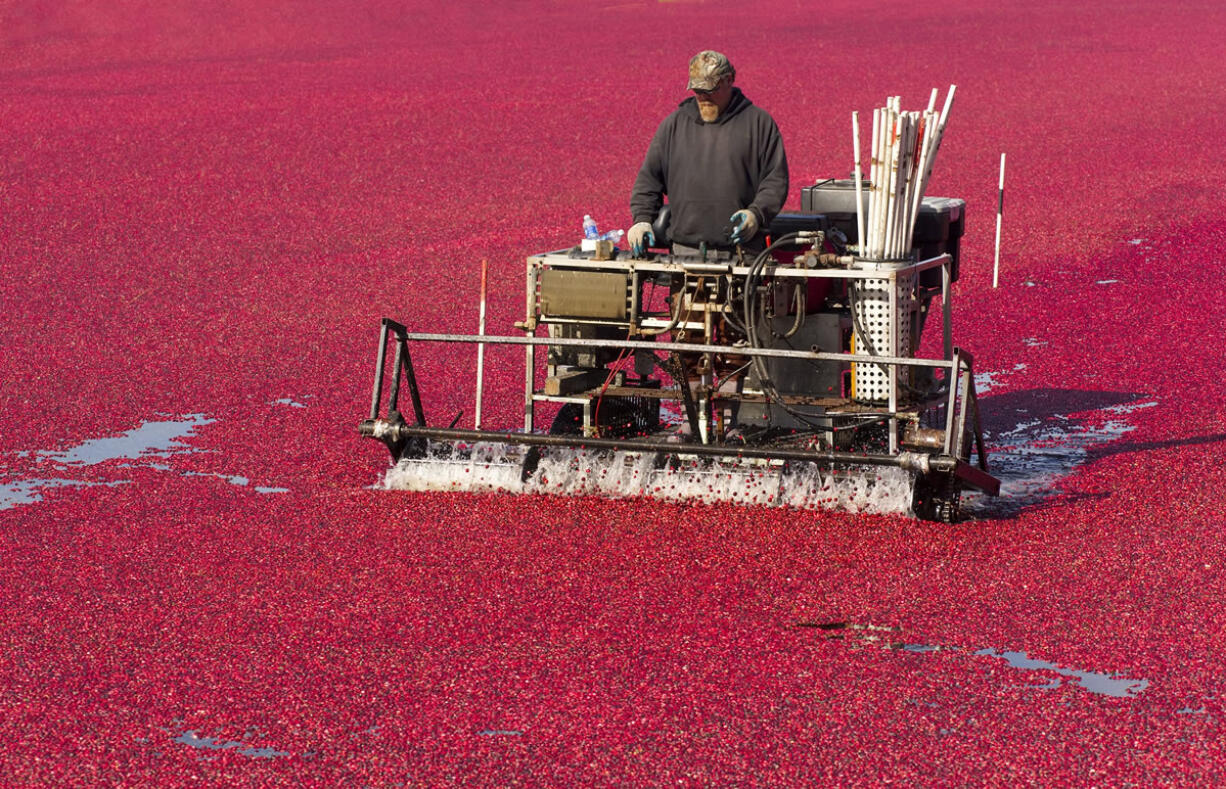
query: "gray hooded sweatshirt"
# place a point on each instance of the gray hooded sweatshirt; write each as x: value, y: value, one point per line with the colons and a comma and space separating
x: 709, y: 171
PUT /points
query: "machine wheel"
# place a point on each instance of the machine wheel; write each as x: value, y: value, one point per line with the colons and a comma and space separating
x: 937, y: 499
x: 568, y: 421
x: 617, y: 418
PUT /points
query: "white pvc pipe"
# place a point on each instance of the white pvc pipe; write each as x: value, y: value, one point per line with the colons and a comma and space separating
x: 891, y: 206
x: 874, y: 191
x: 896, y: 174
x: 917, y: 185
x: 949, y: 100
x: 893, y: 128
x: 480, y: 348
x: 922, y: 169
x: 872, y: 152
x: 909, y: 184
x: 883, y: 194
x: 903, y: 151
x: 1000, y: 210
x: 935, y: 145
x: 898, y: 186
x: 906, y: 168
x: 914, y: 185
x: 855, y: 142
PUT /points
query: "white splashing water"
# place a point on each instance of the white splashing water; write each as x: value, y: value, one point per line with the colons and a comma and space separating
x: 578, y: 472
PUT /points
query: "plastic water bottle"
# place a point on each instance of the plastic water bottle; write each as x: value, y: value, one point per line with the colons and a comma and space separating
x: 613, y: 235
x: 589, y: 227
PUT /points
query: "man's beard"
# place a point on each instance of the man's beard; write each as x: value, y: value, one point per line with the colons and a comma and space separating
x: 709, y: 112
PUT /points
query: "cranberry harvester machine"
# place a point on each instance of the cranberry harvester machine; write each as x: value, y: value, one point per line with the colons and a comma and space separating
x: 780, y: 377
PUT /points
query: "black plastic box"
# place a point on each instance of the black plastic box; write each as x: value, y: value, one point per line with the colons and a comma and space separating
x: 793, y: 222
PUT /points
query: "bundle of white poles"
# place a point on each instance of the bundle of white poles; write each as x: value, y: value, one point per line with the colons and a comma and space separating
x: 904, y: 148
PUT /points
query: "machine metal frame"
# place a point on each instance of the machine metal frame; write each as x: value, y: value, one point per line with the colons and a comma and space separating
x: 940, y: 461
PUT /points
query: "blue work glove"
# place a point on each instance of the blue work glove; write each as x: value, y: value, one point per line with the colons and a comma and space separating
x: 640, y: 237
x: 744, y: 225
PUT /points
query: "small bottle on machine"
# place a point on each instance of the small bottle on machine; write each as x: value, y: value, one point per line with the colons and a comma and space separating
x: 589, y: 227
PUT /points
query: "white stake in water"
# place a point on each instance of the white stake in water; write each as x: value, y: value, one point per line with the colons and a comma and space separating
x: 1000, y: 210
x: 481, y: 348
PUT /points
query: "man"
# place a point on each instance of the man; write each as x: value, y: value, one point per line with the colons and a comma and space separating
x: 720, y: 161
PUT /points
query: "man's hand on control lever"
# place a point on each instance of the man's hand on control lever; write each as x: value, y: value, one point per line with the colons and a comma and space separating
x: 640, y: 237
x: 744, y: 225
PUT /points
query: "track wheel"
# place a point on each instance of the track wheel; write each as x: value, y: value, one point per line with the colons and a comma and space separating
x: 568, y: 422
x: 617, y: 418
x: 937, y: 498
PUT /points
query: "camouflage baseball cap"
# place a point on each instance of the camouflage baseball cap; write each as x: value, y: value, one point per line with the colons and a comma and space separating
x: 707, y: 68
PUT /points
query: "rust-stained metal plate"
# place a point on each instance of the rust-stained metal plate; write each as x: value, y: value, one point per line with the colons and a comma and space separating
x: 583, y: 294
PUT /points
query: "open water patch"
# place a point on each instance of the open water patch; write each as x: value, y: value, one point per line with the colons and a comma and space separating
x: 989, y: 380
x: 1099, y: 683
x: 190, y: 738
x: 151, y: 439
x: 30, y: 491
x: 236, y: 480
x: 1037, y: 438
x: 141, y: 447
x: 1093, y: 681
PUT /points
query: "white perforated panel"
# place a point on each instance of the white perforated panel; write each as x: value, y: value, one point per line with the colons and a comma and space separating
x: 875, y: 333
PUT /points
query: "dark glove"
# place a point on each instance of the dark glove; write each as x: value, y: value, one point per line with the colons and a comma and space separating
x: 744, y: 225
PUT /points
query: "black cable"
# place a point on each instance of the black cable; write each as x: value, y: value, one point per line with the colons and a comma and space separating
x: 753, y: 312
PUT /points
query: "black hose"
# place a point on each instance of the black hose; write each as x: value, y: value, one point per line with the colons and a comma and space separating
x: 753, y: 311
